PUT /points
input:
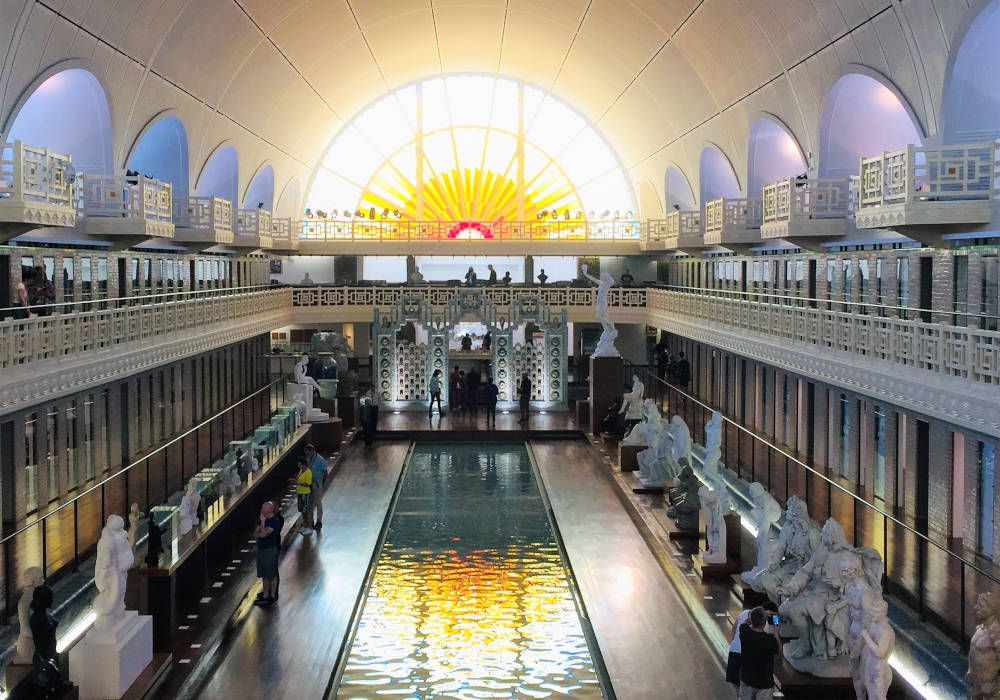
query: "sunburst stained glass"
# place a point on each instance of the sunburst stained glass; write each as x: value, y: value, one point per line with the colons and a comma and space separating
x: 471, y: 148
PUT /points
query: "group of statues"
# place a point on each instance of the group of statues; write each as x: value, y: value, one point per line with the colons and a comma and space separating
x: 828, y: 591
x: 983, y: 676
x: 668, y: 444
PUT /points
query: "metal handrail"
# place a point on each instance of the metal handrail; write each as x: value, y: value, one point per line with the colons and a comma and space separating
x: 633, y: 368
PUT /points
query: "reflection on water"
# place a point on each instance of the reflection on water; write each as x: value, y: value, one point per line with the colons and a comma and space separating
x: 469, y: 598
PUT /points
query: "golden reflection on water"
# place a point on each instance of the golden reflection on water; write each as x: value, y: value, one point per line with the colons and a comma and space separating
x: 452, y: 620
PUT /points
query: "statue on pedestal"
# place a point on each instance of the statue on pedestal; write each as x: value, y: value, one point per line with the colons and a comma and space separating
x: 765, y: 513
x: 714, y: 505
x: 983, y: 676
x: 114, y: 559
x: 189, y: 507
x: 133, y: 524
x: 654, y: 461
x: 24, y: 649
x: 632, y: 405
x: 813, y: 599
x: 793, y: 547
x: 680, y: 450
x: 861, y: 574
x: 879, y: 640
x: 684, y: 497
x: 301, y: 390
x: 606, y: 343
x: 642, y: 433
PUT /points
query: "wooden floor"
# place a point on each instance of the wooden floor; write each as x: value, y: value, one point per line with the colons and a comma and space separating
x: 651, y: 646
x: 289, y: 651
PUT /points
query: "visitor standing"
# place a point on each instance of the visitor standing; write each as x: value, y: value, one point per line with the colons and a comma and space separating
x: 318, y: 467
x: 268, y: 535
x: 524, y: 396
x: 279, y: 516
x: 506, y: 278
x: 487, y: 341
x: 456, y: 392
x: 682, y: 370
x: 41, y: 292
x: 434, y: 386
x: 757, y: 651
x: 491, y: 392
x: 368, y: 417
x: 472, y: 381
x: 627, y: 279
x: 735, y: 648
x: 453, y: 377
x: 22, y: 307
x: 542, y: 277
x: 662, y: 358
x: 493, y: 274
x: 303, y: 492
x: 466, y: 343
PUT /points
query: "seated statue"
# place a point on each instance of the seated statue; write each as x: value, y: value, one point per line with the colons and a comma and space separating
x: 680, y: 450
x: 655, y: 464
x: 631, y: 403
x: 686, y: 504
x: 813, y: 601
x: 613, y: 424
x: 792, y: 548
x: 642, y: 433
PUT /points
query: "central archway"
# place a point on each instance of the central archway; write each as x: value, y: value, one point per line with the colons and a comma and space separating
x: 404, y: 366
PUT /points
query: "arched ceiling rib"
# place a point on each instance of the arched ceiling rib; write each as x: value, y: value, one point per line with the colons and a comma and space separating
x: 287, y: 73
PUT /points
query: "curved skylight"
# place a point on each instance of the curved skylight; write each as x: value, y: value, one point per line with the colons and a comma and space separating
x: 470, y: 148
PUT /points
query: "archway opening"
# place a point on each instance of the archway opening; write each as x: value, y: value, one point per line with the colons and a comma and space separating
x: 971, y: 106
x: 220, y: 176
x: 260, y: 191
x: 716, y: 177
x: 861, y: 117
x: 162, y: 152
x: 288, y: 202
x: 679, y: 195
x: 68, y: 113
x: 772, y: 154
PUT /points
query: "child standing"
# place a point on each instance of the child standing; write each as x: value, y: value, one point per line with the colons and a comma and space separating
x: 303, y: 489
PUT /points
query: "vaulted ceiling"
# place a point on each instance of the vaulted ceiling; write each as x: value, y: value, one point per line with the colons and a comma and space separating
x: 658, y: 77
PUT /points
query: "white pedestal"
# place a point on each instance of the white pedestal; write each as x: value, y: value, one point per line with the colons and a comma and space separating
x: 106, y: 669
x: 304, y: 393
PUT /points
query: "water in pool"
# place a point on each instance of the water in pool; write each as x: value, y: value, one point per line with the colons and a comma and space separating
x: 470, y: 597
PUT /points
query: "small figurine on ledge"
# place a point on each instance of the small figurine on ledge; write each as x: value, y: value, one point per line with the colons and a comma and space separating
x: 133, y: 524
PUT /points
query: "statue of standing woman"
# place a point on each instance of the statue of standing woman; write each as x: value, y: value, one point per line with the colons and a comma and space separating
x: 606, y: 343
x: 114, y: 559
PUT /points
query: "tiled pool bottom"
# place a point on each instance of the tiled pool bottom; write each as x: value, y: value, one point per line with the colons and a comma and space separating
x: 470, y: 597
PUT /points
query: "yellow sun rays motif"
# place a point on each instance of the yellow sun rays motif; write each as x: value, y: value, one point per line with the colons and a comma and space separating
x: 470, y: 148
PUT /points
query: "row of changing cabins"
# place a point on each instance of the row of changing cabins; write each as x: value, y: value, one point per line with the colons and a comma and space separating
x: 921, y: 192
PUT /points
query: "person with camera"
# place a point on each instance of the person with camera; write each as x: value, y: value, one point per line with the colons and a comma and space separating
x: 735, y: 649
x: 758, y: 648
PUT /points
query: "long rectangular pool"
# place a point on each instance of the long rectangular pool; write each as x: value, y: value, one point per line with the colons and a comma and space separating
x: 470, y: 596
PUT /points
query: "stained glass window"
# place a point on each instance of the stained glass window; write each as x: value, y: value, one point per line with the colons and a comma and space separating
x: 471, y: 148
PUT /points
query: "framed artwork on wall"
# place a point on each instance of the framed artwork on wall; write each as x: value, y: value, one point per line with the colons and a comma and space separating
x: 275, y: 266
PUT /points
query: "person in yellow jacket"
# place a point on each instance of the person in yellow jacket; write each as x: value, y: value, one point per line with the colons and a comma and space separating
x: 303, y: 491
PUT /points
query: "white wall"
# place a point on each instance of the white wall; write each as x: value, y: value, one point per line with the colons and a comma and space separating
x: 294, y: 268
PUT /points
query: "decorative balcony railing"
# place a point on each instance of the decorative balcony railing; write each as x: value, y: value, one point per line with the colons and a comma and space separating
x: 622, y: 298
x: 922, y: 174
x: 282, y: 228
x: 36, y: 175
x: 408, y: 230
x: 119, y: 196
x: 61, y: 335
x: 253, y: 222
x: 667, y: 232
x: 725, y: 213
x: 953, y: 351
x: 208, y: 213
x: 816, y: 198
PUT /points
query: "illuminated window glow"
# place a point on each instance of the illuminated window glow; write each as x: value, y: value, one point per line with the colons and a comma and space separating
x: 471, y: 148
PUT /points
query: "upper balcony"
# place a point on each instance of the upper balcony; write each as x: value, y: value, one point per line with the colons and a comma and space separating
x: 680, y: 230
x: 126, y: 209
x: 253, y: 230
x: 733, y: 223
x: 358, y: 236
x: 37, y: 189
x: 203, y: 221
x: 284, y: 236
x: 807, y: 212
x: 925, y: 192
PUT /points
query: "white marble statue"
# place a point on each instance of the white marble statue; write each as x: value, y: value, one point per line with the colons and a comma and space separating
x: 765, y: 513
x: 793, y: 547
x: 133, y: 524
x: 983, y: 676
x: 642, y: 433
x: 606, y: 343
x: 301, y: 390
x: 654, y: 461
x: 680, y: 449
x: 861, y: 575
x: 114, y: 559
x: 713, y: 438
x: 714, y: 506
x: 632, y: 405
x: 814, y: 602
x: 231, y: 480
x: 24, y: 648
x: 189, y: 508
x: 879, y: 640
